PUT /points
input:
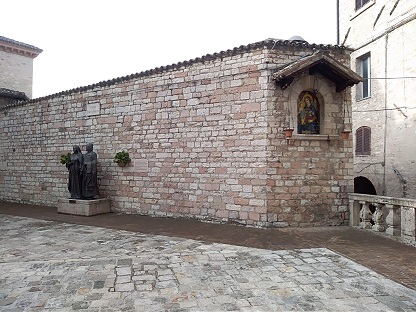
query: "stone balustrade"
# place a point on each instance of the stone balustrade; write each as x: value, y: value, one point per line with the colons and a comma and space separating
x: 394, y: 216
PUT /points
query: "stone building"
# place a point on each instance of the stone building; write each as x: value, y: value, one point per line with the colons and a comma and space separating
x: 16, y: 68
x: 206, y: 137
x: 380, y: 33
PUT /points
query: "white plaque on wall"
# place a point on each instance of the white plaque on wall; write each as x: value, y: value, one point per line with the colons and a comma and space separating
x: 93, y: 109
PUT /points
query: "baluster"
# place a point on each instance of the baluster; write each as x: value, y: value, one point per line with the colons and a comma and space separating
x: 354, y: 213
x: 378, y: 218
x: 365, y: 215
x: 408, y: 222
x: 393, y: 220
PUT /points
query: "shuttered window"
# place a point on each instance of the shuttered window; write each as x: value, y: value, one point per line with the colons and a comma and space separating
x: 363, y: 141
x: 360, y: 3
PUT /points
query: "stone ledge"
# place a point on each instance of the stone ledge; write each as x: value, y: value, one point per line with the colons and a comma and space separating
x: 315, y: 137
x: 82, y: 207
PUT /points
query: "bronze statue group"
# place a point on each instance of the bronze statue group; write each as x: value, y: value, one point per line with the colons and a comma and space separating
x: 82, y: 169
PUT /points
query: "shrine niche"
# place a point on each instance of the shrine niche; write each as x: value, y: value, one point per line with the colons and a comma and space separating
x: 308, y: 112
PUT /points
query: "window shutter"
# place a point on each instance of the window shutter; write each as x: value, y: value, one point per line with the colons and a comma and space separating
x: 366, y: 141
x: 363, y: 141
x: 358, y: 142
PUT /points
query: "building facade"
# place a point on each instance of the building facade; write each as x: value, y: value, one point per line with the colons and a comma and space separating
x: 206, y: 137
x: 16, y: 68
x: 380, y: 32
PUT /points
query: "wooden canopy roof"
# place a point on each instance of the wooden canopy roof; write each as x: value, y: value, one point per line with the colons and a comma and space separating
x: 321, y: 63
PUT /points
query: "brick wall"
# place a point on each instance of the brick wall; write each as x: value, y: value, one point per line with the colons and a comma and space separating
x: 205, y: 136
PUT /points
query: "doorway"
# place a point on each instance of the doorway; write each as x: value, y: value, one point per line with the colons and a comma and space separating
x: 363, y: 185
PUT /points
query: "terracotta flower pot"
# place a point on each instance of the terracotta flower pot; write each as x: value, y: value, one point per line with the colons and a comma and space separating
x: 288, y: 133
x: 346, y: 134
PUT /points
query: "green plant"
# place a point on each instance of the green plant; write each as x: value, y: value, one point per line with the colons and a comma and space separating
x: 65, y: 158
x: 122, y: 158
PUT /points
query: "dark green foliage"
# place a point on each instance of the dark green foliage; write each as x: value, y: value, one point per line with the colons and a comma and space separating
x: 122, y: 158
x: 65, y: 158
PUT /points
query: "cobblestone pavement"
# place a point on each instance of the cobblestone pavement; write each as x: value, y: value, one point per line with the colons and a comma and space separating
x: 51, y: 266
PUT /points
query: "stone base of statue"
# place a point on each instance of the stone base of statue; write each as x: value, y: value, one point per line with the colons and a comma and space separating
x: 82, y: 207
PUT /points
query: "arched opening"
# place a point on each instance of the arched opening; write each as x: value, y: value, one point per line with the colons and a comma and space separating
x: 363, y: 185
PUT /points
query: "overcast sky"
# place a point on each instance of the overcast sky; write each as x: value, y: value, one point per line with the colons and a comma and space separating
x: 88, y: 41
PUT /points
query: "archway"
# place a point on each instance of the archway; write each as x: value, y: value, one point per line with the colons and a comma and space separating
x: 363, y: 185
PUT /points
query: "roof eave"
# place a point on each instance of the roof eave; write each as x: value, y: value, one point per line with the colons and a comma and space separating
x: 12, y: 94
x: 318, y: 63
x: 13, y: 46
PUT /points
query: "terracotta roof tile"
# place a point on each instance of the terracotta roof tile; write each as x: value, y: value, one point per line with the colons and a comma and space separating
x: 268, y: 43
x: 20, y: 44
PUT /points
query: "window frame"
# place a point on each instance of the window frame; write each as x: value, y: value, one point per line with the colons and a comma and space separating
x: 360, y: 3
x: 363, y: 141
x: 364, y: 69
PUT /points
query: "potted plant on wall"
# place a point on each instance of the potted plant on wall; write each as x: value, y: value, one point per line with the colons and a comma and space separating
x: 122, y: 158
x: 65, y: 158
x: 288, y: 132
x: 289, y: 129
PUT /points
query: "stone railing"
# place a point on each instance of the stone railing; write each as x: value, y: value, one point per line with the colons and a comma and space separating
x: 394, y: 216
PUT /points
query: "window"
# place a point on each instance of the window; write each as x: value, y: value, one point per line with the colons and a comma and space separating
x: 363, y: 141
x: 308, y: 113
x: 363, y: 68
x: 360, y: 3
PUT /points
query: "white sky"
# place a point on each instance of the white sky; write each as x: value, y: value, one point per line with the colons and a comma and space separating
x: 88, y: 41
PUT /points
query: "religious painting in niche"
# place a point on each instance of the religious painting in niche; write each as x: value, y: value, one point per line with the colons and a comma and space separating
x: 308, y: 113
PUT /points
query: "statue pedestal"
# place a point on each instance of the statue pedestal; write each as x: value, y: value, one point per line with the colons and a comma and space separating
x: 82, y: 207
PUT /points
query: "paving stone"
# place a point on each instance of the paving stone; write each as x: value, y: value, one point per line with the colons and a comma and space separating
x: 176, y: 274
x: 123, y: 271
x: 124, y: 287
x: 80, y: 305
x: 123, y: 279
x: 99, y: 284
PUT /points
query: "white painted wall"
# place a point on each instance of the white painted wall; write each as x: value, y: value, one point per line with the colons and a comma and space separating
x: 385, y: 28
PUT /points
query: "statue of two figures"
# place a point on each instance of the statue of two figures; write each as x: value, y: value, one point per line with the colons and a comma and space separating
x: 82, y: 168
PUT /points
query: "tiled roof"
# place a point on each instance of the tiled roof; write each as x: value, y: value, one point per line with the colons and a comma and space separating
x: 318, y: 62
x: 20, y: 44
x: 13, y: 94
x: 268, y: 43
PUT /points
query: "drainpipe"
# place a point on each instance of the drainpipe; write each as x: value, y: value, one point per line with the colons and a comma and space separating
x: 337, y: 22
x: 385, y: 112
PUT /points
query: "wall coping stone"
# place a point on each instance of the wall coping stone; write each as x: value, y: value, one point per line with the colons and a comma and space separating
x: 268, y: 44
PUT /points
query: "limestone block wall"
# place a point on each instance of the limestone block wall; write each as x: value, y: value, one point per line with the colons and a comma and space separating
x: 310, y: 176
x: 192, y: 132
x: 205, y: 138
x: 16, y: 72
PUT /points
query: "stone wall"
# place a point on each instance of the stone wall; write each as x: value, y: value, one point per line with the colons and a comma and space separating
x: 16, y: 72
x: 310, y: 174
x: 205, y: 137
